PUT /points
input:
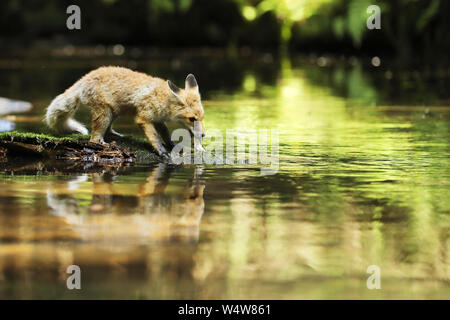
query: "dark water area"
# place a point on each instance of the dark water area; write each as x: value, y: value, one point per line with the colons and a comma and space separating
x: 363, y: 179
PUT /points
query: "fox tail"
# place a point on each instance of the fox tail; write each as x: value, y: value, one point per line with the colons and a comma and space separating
x: 60, y: 112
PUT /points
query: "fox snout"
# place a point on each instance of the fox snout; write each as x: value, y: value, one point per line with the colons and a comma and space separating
x: 195, y: 128
x: 199, y: 129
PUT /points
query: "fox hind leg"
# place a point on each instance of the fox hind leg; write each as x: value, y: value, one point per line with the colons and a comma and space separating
x: 102, y: 118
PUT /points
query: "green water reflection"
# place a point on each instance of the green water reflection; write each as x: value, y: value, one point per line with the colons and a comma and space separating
x: 361, y: 181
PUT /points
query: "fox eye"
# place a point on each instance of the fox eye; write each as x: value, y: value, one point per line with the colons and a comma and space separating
x: 192, y: 119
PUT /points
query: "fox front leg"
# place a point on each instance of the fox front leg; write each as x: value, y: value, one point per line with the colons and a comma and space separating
x: 152, y: 136
x: 164, y: 133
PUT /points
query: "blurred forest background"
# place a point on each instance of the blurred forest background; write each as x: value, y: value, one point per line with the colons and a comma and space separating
x: 411, y: 29
x: 237, y: 45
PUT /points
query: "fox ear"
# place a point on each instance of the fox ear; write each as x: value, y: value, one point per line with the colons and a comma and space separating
x: 174, y: 89
x: 191, y: 82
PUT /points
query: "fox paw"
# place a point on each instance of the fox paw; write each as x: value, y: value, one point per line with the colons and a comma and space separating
x: 99, y: 142
x: 165, y: 156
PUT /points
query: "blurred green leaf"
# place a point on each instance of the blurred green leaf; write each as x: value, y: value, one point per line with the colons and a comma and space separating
x: 356, y: 19
x: 339, y: 27
x: 429, y: 13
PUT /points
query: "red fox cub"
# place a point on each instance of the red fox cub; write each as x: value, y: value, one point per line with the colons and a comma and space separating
x: 111, y: 91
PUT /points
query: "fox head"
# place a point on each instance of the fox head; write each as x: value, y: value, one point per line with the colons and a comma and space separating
x: 187, y: 106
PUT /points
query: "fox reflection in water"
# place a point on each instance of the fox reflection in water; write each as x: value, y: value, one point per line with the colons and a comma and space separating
x: 151, y: 214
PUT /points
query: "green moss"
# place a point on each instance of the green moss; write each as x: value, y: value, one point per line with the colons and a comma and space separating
x: 18, y: 134
x: 139, y: 146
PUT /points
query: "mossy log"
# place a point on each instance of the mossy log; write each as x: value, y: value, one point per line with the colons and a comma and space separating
x: 75, y: 148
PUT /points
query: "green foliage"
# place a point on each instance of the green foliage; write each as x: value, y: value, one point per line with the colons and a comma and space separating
x: 352, y: 21
x: 287, y: 12
x: 408, y: 26
x: 356, y: 19
x: 109, y: 2
x: 339, y: 27
x: 157, y: 7
x: 348, y: 17
x: 429, y: 13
